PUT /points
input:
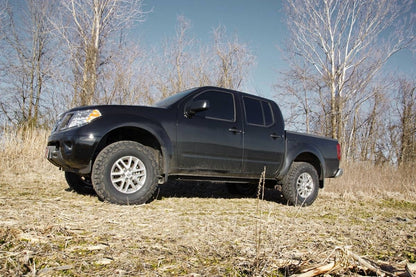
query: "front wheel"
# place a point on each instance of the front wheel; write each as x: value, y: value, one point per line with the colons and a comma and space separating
x: 301, y: 184
x: 125, y: 172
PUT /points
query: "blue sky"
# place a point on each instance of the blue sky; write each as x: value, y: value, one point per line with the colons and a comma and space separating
x: 259, y: 24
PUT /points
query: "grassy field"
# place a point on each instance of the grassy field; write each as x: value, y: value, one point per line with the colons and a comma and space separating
x: 363, y: 223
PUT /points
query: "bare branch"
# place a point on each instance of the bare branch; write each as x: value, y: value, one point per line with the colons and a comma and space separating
x: 89, y: 28
x: 345, y: 44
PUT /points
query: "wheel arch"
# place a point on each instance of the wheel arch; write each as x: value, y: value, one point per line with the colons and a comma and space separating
x: 308, y: 154
x: 142, y: 135
x: 314, y: 160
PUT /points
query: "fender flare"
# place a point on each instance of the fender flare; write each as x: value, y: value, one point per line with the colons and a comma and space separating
x: 303, y: 152
x: 145, y: 124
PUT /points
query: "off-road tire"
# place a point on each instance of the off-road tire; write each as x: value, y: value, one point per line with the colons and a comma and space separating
x: 125, y: 159
x: 301, y: 184
x: 81, y: 185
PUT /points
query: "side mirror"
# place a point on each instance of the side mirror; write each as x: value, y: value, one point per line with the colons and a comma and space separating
x: 196, y: 107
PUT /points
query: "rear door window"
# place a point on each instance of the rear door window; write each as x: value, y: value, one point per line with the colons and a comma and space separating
x: 258, y: 112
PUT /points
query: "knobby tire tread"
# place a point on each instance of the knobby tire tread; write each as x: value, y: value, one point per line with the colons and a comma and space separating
x: 289, y: 184
x: 99, y: 172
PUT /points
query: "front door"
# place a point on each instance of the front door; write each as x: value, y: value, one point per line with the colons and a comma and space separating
x: 210, y: 142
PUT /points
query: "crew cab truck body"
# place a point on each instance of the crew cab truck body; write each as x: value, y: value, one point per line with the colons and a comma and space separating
x: 206, y: 133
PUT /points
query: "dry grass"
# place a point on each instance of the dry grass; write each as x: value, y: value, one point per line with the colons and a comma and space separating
x: 21, y: 150
x: 197, y: 229
x: 364, y: 179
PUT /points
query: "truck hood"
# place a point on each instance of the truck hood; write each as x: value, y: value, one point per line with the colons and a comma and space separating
x: 105, y: 110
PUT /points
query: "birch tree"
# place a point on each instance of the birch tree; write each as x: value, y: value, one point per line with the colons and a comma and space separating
x: 89, y: 28
x: 344, y: 44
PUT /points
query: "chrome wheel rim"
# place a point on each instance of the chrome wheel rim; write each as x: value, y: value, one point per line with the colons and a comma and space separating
x: 128, y: 174
x: 305, y: 185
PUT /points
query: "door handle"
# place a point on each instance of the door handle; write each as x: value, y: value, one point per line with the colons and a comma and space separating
x: 235, y: 130
x: 275, y: 136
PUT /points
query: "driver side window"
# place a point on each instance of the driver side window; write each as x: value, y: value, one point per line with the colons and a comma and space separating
x: 221, y: 105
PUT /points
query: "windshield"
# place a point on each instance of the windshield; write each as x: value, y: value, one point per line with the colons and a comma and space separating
x: 165, y: 103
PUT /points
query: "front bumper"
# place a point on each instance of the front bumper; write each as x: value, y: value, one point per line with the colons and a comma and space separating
x: 71, y: 151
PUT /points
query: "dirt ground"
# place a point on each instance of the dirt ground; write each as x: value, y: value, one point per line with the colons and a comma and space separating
x: 197, y: 229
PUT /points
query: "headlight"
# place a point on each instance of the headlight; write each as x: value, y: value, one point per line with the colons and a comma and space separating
x: 77, y: 119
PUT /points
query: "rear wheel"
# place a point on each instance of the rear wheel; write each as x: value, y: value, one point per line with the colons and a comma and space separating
x: 78, y: 183
x: 301, y: 184
x: 125, y: 172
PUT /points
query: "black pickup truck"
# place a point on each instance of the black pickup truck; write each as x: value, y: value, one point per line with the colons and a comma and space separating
x: 207, y: 133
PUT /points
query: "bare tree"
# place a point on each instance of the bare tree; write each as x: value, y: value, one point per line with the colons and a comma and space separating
x: 203, y: 67
x: 88, y: 27
x: 127, y: 79
x: 407, y: 112
x: 234, y: 59
x: 179, y: 54
x: 368, y: 127
x: 3, y: 17
x: 26, y: 62
x: 176, y: 59
x: 345, y: 43
x: 186, y: 62
x: 295, y: 90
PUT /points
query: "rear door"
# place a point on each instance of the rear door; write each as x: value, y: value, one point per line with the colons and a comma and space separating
x: 210, y: 143
x: 263, y: 140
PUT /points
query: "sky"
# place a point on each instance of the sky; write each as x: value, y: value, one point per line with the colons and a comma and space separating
x: 258, y: 24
